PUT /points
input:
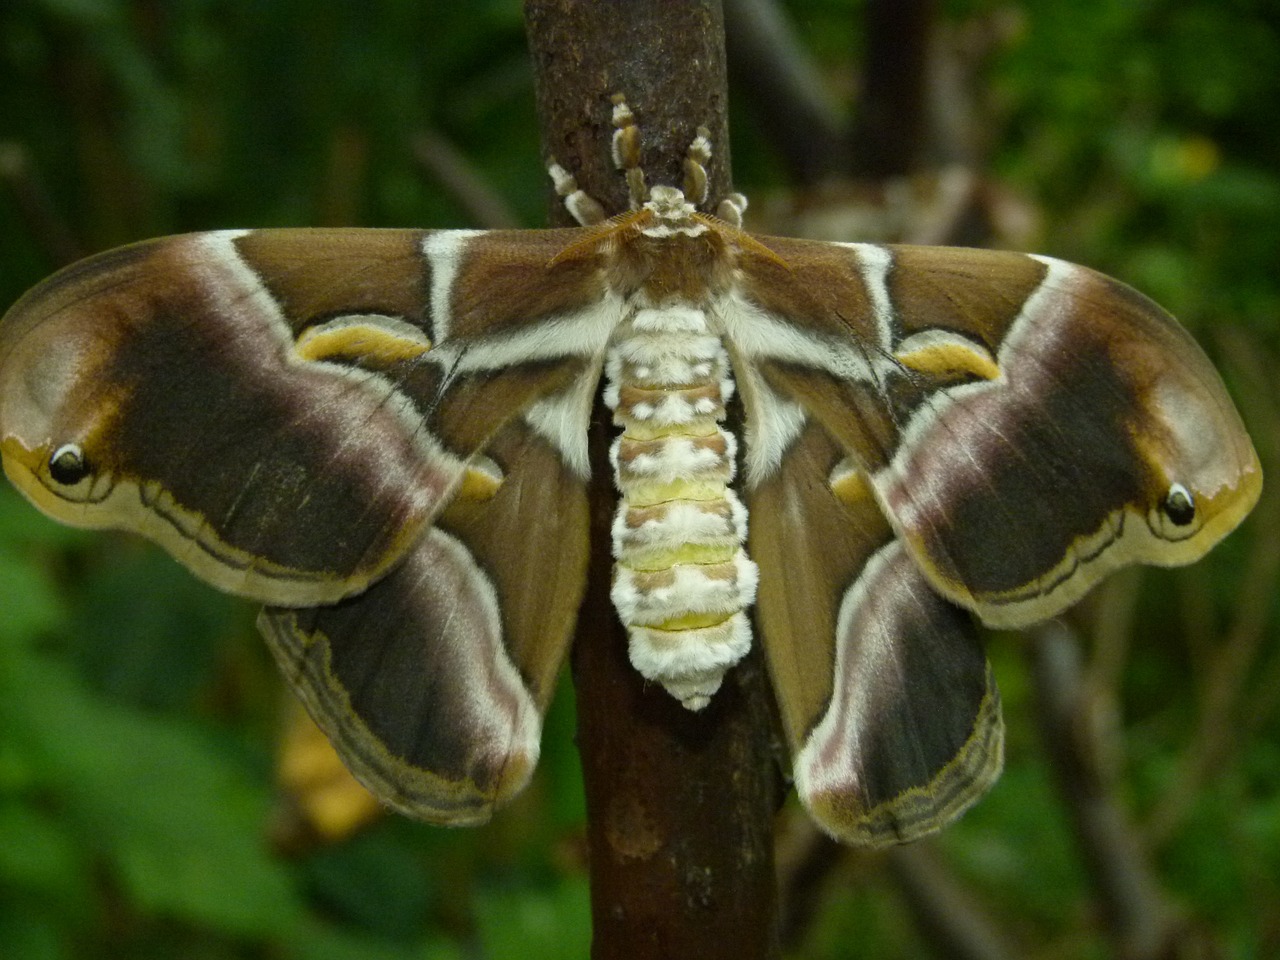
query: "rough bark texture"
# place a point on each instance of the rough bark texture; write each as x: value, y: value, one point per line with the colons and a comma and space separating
x: 680, y: 805
x: 668, y: 58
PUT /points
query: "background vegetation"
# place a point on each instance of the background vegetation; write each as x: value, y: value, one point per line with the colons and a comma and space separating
x: 141, y: 723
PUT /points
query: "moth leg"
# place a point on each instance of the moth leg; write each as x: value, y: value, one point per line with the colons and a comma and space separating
x: 732, y: 207
x: 581, y: 205
x: 695, y: 168
x: 626, y: 150
x: 626, y: 157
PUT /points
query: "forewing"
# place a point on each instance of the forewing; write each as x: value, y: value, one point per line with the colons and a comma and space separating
x: 1027, y: 425
x: 286, y: 411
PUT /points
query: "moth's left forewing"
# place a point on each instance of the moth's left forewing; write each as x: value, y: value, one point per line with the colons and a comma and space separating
x: 1027, y: 425
x: 286, y: 410
x: 169, y: 370
x: 1106, y: 437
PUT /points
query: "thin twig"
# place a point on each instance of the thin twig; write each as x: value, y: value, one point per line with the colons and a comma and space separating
x: 449, y: 167
x: 797, y: 115
x: 1137, y: 918
x: 807, y: 858
x: 953, y: 923
x: 50, y: 229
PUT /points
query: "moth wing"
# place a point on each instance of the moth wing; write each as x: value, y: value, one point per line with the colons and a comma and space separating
x: 286, y: 411
x: 1027, y: 425
x: 890, y: 709
x: 432, y: 683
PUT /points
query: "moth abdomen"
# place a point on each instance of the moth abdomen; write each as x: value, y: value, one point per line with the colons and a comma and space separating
x: 682, y: 579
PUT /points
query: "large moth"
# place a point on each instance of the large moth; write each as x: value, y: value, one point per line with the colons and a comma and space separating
x: 381, y: 435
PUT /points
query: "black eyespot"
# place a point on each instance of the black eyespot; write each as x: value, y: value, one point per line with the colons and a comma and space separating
x: 1179, y: 505
x: 68, y: 466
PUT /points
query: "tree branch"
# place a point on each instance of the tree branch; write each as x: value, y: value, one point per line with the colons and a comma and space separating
x: 680, y: 805
x: 891, y: 124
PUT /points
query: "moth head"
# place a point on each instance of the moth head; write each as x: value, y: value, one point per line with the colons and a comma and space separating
x: 669, y: 203
x: 670, y: 212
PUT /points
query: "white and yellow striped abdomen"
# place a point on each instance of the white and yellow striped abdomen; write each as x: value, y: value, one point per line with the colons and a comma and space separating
x: 682, y: 581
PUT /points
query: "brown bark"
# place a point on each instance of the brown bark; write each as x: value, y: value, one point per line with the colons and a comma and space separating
x: 680, y: 805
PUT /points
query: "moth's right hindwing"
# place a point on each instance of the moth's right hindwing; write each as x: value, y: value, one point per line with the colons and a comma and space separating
x: 433, y: 682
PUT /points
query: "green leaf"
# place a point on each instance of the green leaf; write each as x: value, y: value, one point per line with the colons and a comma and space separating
x: 40, y: 854
x: 374, y: 882
x: 32, y: 934
x: 533, y: 923
x: 174, y: 813
x: 315, y: 942
x: 30, y: 604
x: 145, y: 631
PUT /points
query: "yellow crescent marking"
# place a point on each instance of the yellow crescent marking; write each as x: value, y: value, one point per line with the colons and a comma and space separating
x: 369, y: 341
x: 664, y: 558
x: 949, y: 357
x: 481, y: 480
x: 648, y: 494
x: 850, y: 484
x: 694, y: 621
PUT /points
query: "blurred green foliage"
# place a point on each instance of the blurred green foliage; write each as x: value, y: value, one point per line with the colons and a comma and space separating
x: 138, y: 709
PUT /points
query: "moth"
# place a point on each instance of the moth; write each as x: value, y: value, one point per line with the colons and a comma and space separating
x: 847, y: 453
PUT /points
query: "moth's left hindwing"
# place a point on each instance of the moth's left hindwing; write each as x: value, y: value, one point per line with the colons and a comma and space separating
x: 362, y: 418
x: 889, y: 706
